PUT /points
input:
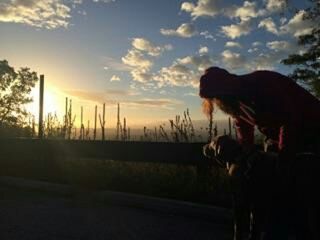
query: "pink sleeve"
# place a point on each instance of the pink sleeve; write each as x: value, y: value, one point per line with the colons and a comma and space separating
x: 245, y: 131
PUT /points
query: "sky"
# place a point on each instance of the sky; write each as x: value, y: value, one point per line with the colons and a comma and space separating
x: 147, y: 55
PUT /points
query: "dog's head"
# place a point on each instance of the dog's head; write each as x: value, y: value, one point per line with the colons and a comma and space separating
x: 223, y: 150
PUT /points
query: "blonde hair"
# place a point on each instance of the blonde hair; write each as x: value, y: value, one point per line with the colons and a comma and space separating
x: 208, y: 106
x: 228, y: 105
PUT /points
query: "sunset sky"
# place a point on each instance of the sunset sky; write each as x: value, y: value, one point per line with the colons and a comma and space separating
x: 146, y: 54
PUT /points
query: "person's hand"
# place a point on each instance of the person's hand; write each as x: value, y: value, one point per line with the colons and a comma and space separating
x: 209, y: 150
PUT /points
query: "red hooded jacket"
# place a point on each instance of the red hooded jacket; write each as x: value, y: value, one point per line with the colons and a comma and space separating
x: 280, y: 108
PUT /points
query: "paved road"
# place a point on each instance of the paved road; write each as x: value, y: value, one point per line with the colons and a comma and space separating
x: 28, y: 215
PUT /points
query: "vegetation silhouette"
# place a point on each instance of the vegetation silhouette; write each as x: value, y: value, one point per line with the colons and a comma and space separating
x: 15, y: 88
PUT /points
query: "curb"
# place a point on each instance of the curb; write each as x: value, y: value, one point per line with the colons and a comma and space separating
x: 214, y: 214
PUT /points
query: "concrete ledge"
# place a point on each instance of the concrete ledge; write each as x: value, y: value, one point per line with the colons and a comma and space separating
x: 168, y: 206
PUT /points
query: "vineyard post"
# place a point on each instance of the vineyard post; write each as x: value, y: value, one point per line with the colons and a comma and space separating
x: 41, y: 93
x: 95, y: 122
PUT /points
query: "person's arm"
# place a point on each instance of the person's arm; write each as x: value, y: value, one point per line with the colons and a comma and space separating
x: 245, y: 131
x: 287, y: 145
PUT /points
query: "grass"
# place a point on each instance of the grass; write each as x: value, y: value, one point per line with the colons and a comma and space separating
x: 152, y: 179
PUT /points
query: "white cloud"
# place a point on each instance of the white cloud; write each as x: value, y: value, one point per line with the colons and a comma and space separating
x: 233, y: 60
x: 280, y: 46
x: 111, y: 63
x: 185, y: 30
x: 269, y: 25
x: 48, y: 14
x: 184, y: 71
x: 192, y: 94
x: 257, y: 43
x: 207, y: 35
x: 297, y: 25
x: 115, y: 78
x: 203, y: 8
x: 233, y: 44
x: 201, y: 62
x: 236, y: 30
x: 176, y: 75
x: 275, y: 5
x: 141, y: 75
x: 140, y: 65
x: 164, y: 103
x: 145, y: 45
x: 283, y: 20
x: 246, y: 12
x: 135, y: 58
x: 203, y: 50
x: 251, y: 50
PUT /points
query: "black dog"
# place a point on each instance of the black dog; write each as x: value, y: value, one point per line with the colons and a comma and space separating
x: 263, y: 201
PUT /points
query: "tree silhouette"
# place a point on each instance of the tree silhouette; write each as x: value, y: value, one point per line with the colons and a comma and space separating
x: 308, y: 62
x: 15, y: 88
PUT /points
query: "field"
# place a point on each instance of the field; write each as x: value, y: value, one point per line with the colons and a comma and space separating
x: 169, y: 170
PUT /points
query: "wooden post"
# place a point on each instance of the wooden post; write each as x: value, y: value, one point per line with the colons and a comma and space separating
x: 95, y: 123
x: 66, y: 120
x: 124, y: 129
x: 103, y: 121
x: 82, y: 126
x: 70, y: 122
x: 41, y: 93
x: 118, y: 122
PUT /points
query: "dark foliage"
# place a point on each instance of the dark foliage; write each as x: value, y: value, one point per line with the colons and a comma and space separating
x: 15, y: 89
x: 308, y: 63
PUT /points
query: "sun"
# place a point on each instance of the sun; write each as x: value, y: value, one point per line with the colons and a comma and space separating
x: 53, y: 102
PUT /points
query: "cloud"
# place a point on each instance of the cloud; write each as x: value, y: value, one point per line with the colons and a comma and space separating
x: 233, y: 60
x: 111, y: 63
x: 165, y: 103
x: 48, y: 14
x: 201, y: 62
x: 185, y: 30
x: 297, y: 25
x: 104, y: 1
x: 269, y: 25
x: 102, y: 97
x: 203, y: 8
x: 275, y: 5
x: 135, y: 58
x: 141, y: 75
x: 251, y: 50
x: 203, y: 50
x: 99, y: 96
x: 236, y: 30
x: 207, y: 35
x: 146, y: 46
x: 115, y: 78
x: 176, y: 75
x: 257, y: 43
x: 280, y: 46
x: 233, y: 44
x: 268, y: 61
x: 192, y: 94
x: 184, y: 72
x: 246, y: 12
x: 95, y: 96
x: 138, y: 61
